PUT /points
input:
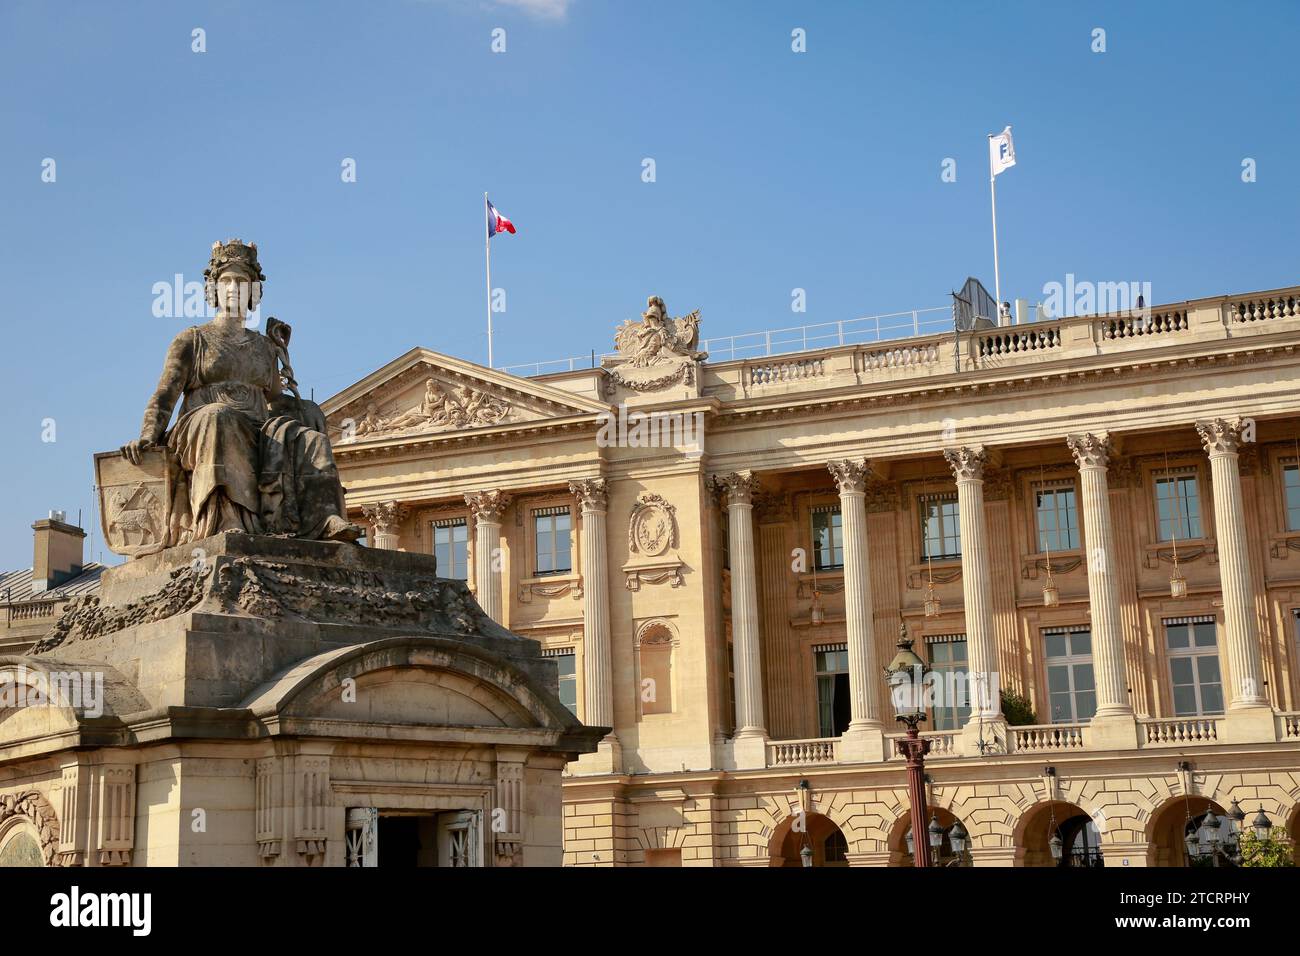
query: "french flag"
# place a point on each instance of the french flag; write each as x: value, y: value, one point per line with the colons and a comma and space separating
x: 496, y: 221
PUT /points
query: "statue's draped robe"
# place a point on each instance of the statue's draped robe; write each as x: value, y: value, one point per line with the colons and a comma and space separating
x: 251, y: 456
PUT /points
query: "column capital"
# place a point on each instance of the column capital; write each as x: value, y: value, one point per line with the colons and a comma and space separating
x: 1221, y: 436
x: 738, y: 486
x: 850, y: 474
x: 488, y: 505
x: 385, y: 516
x: 1091, y: 449
x: 967, y: 462
x: 592, y: 493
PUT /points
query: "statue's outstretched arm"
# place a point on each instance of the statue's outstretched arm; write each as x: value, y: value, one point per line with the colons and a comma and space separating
x: 170, y: 385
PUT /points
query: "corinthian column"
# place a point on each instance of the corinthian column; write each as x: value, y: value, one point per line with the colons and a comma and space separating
x: 597, y: 660
x: 488, y: 507
x: 385, y: 517
x: 864, y: 665
x: 1092, y: 455
x: 1221, y: 440
x: 739, y: 488
x: 968, y: 468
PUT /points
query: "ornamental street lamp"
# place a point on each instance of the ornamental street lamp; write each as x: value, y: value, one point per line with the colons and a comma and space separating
x: 905, y: 676
x: 1217, y: 841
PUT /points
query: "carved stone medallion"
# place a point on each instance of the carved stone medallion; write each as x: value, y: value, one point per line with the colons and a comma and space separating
x: 652, y: 529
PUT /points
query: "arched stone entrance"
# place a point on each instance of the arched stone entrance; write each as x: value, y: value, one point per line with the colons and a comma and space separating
x: 1080, y: 836
x: 1170, y: 824
x: 900, y: 853
x: 829, y: 846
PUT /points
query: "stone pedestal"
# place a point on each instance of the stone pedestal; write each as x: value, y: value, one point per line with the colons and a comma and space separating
x: 303, y: 690
x: 1113, y: 732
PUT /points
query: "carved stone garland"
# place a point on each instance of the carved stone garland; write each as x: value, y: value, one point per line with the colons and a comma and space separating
x: 33, y: 807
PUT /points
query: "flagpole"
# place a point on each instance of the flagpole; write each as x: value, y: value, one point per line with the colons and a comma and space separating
x: 487, y: 252
x: 997, y: 280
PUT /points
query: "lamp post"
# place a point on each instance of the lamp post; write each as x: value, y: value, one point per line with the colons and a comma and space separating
x: 905, y: 676
x: 1217, y: 840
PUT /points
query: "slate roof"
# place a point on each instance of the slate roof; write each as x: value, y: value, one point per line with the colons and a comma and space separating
x: 16, y: 586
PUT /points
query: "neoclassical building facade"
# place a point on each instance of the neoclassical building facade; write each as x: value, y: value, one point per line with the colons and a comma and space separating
x: 1089, y: 527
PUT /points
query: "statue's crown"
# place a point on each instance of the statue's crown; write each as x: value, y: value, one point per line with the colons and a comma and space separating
x: 234, y: 252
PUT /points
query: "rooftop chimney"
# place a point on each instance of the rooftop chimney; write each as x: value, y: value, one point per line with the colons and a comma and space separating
x: 57, y: 557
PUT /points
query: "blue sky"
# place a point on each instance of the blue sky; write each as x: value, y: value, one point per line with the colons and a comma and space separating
x: 775, y: 170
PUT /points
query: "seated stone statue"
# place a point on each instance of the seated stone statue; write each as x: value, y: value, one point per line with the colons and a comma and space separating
x: 248, y: 456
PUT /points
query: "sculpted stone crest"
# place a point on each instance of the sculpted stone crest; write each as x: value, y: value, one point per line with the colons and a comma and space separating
x: 657, y: 352
x: 246, y: 452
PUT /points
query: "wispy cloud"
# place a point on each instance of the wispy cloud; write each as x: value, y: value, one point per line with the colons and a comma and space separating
x: 541, y: 9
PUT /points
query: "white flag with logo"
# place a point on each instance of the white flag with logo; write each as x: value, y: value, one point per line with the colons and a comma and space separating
x: 1002, y: 152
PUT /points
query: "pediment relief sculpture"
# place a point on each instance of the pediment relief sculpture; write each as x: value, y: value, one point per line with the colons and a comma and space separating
x: 658, y: 351
x: 441, y: 406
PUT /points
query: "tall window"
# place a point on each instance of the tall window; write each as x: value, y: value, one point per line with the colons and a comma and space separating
x: 828, y: 537
x: 1178, y: 506
x: 568, y: 676
x: 552, y: 527
x: 1070, y: 688
x: 940, y: 528
x: 1291, y: 488
x: 450, y: 547
x: 1057, y: 517
x: 950, y: 669
x: 1194, y: 666
x: 833, y: 709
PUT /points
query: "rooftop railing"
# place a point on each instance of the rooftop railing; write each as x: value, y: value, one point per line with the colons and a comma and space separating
x: 799, y: 338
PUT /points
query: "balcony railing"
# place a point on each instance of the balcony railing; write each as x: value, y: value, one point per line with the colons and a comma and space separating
x: 943, y: 743
x: 1153, y: 732
x: 1179, y: 730
x: 32, y: 611
x: 1044, y: 737
x: 803, y: 753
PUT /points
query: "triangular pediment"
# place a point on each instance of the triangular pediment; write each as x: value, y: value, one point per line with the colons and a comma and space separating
x: 428, y: 393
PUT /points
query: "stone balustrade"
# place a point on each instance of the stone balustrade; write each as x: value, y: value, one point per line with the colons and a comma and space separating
x: 771, y: 371
x: 33, y: 611
x: 1179, y: 730
x: 1153, y: 732
x: 1078, y: 340
x: 1284, y: 305
x: 1048, y: 737
x: 802, y: 753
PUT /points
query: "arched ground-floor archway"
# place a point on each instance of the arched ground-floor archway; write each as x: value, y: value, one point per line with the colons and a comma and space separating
x: 1170, y: 826
x: 1078, y: 837
x: 818, y: 832
x: 900, y: 848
